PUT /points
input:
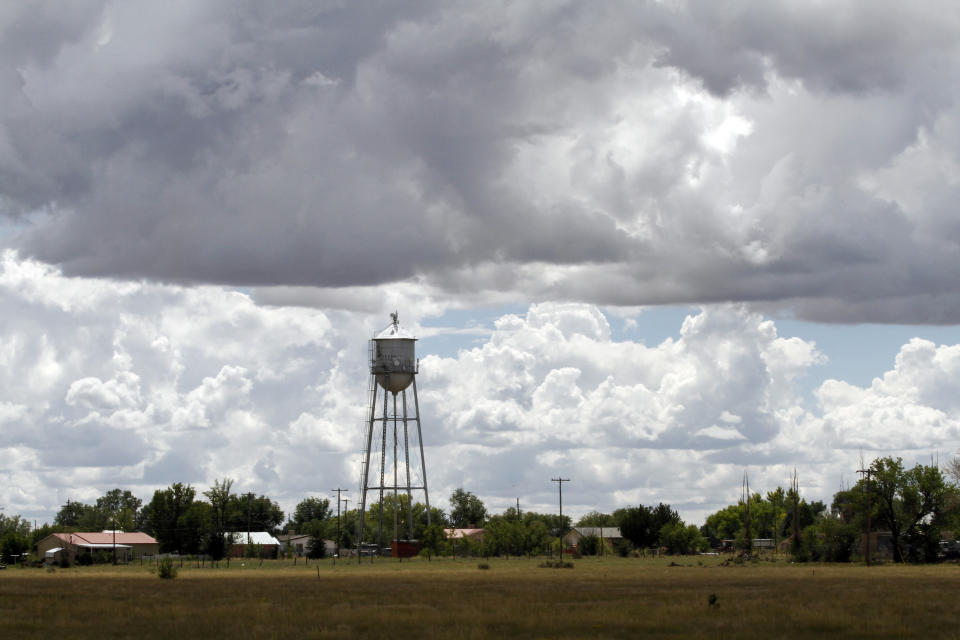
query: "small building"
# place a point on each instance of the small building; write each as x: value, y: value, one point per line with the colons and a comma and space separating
x: 572, y: 538
x: 261, y: 544
x: 54, y: 555
x: 71, y: 546
x: 404, y: 548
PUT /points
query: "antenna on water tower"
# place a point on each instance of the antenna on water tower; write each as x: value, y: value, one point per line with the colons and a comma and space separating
x: 393, y: 368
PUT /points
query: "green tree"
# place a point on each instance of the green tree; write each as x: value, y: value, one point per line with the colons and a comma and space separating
x: 13, y: 543
x: 912, y: 504
x: 432, y: 541
x: 597, y: 519
x: 641, y: 525
x: 679, y: 538
x: 830, y: 539
x: 391, y: 505
x: 14, y: 537
x: 316, y: 547
x: 663, y: 515
x: 466, y: 510
x: 589, y: 545
x: 71, y: 513
x: 310, y: 509
x: 437, y: 517
x: 909, y: 503
x: 504, y: 535
x: 724, y: 524
x: 195, y: 529
x: 120, y: 509
x: 807, y: 514
x: 537, y: 532
x: 636, y: 524
x: 16, y: 524
x: 218, y: 543
x: 163, y: 513
x: 254, y: 513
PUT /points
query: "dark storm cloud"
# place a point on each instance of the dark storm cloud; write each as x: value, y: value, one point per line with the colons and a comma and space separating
x: 560, y: 151
x: 846, y: 46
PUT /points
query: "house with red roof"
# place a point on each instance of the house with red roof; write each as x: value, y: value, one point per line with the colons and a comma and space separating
x: 73, y: 545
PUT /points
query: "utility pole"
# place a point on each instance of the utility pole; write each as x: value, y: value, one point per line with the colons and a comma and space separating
x: 866, y: 489
x: 795, y: 486
x: 560, y: 482
x: 745, y: 491
x: 114, y: 539
x: 339, y: 491
x: 519, y: 515
x: 249, y: 498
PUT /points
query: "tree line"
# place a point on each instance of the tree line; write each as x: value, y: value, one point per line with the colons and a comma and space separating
x: 914, y: 505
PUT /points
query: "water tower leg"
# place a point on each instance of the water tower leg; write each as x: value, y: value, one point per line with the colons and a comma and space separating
x: 406, y: 453
x: 396, y: 499
x: 423, y: 462
x: 365, y: 476
x: 383, y: 461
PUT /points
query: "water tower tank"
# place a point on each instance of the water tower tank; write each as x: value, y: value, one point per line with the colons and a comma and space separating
x: 394, y: 360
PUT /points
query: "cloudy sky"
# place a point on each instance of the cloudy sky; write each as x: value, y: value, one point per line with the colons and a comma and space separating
x: 646, y: 245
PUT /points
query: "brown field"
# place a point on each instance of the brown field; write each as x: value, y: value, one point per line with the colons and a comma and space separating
x: 598, y: 598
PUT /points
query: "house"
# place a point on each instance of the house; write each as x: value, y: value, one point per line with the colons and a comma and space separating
x: 253, y: 543
x: 572, y: 538
x: 299, y: 544
x: 292, y: 542
x: 71, y: 546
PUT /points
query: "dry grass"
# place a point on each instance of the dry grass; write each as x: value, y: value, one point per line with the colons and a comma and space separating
x: 514, y: 598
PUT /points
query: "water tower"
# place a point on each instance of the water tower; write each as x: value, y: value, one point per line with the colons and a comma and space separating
x: 393, y: 371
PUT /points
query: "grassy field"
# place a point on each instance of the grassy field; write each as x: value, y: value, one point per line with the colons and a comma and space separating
x: 598, y: 598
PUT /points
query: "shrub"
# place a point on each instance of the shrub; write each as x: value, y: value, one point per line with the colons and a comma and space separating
x: 589, y: 545
x: 166, y: 568
x: 679, y: 539
x: 622, y: 547
x: 316, y: 547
